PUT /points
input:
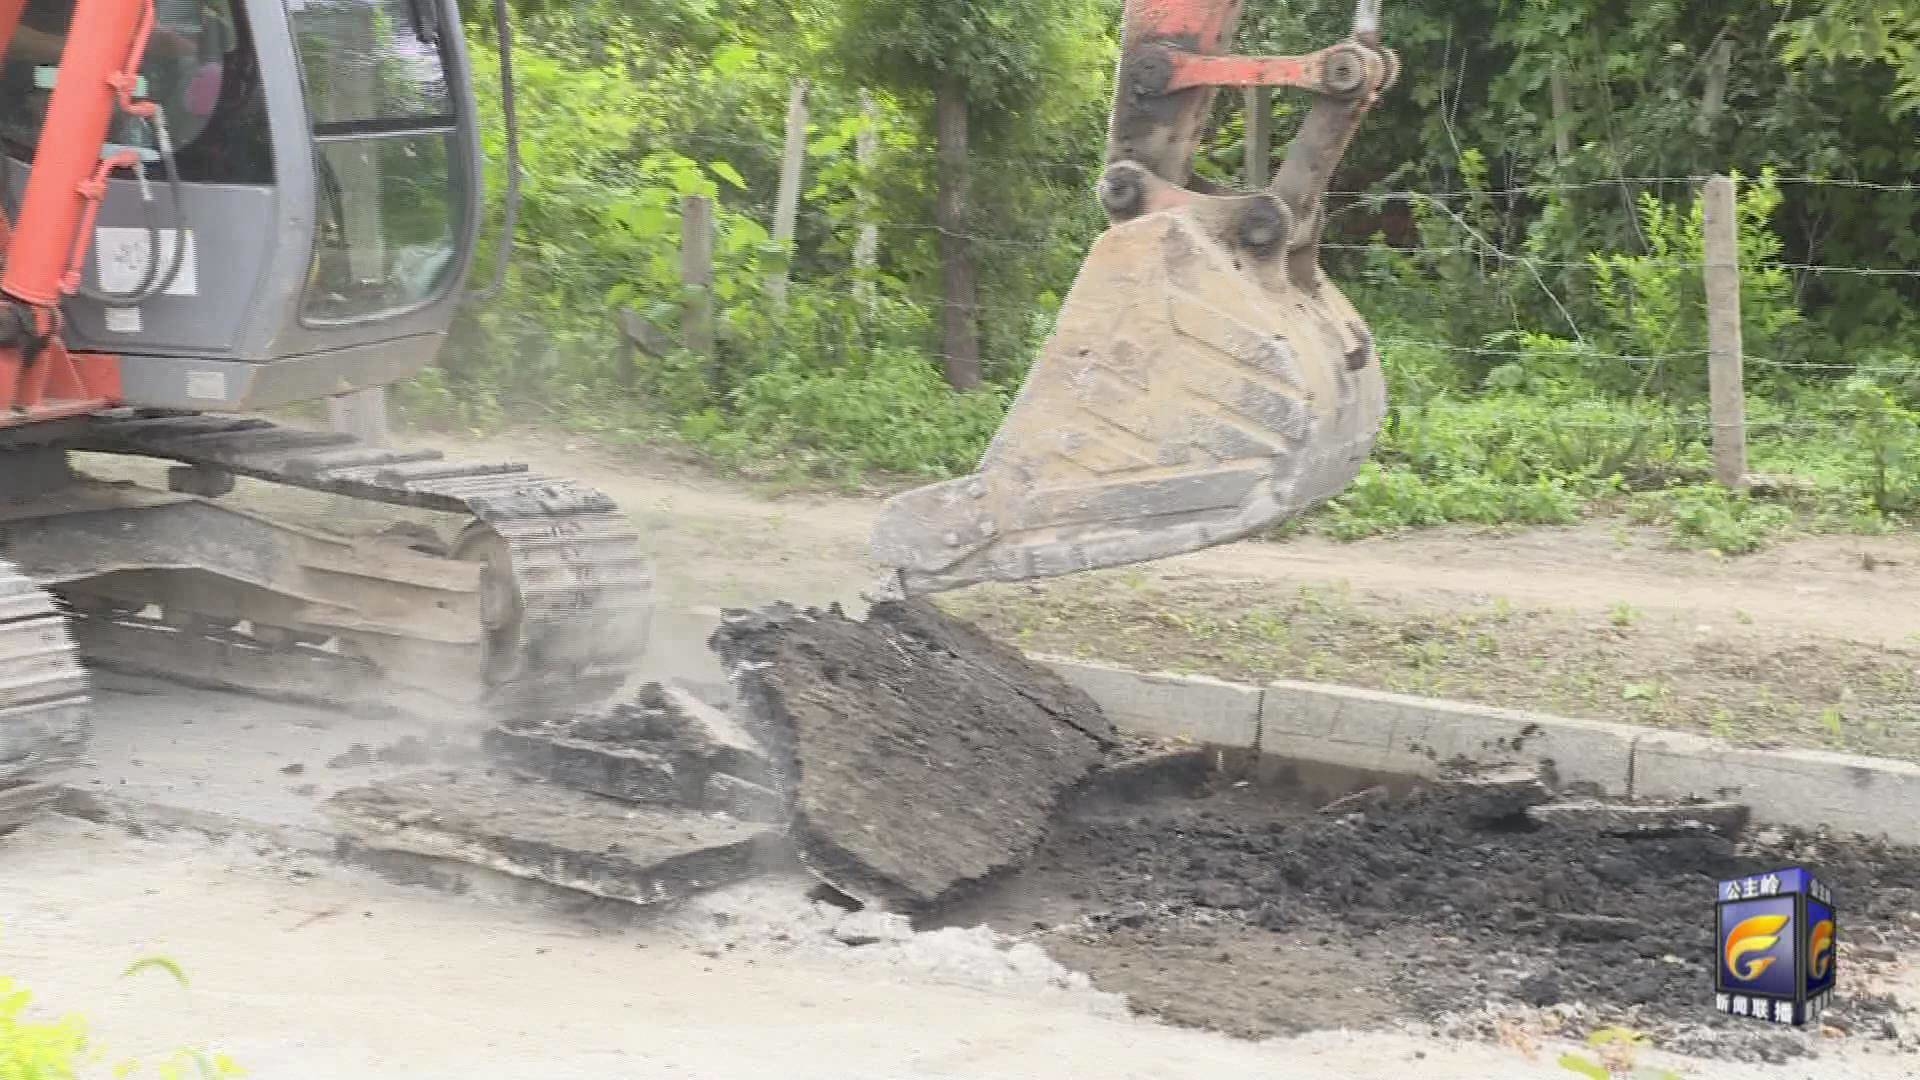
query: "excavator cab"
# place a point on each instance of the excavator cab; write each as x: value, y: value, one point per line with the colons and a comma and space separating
x: 322, y: 159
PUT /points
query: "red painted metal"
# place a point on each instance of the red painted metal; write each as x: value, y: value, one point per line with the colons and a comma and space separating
x: 9, y: 21
x: 94, y: 192
x: 56, y: 385
x: 45, y: 253
x: 97, y: 71
x: 1195, y: 69
x: 1204, y: 26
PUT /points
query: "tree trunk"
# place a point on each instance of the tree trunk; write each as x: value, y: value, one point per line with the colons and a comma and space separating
x: 960, y: 353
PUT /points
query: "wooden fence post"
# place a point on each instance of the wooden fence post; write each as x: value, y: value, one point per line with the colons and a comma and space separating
x: 1259, y: 135
x: 786, y: 209
x: 696, y: 274
x: 1724, y: 357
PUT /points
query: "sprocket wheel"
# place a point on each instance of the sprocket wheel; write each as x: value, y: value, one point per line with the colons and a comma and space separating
x: 502, y: 616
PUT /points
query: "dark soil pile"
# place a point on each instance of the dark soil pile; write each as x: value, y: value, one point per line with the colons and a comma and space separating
x: 1422, y: 908
x: 919, y: 755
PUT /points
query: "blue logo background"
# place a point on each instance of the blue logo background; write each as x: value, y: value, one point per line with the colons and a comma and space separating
x: 1778, y: 978
x: 1816, y: 912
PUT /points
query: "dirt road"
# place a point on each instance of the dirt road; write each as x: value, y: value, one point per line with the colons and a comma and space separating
x: 1815, y: 642
x: 718, y: 542
x: 303, y: 971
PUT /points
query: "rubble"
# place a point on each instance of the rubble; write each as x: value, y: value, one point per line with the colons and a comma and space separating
x: 649, y: 800
x: 1490, y: 793
x: 1643, y: 819
x: 548, y: 833
x: 663, y: 748
x: 917, y: 755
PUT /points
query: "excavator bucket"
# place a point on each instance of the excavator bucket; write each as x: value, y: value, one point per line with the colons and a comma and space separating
x: 1204, y: 381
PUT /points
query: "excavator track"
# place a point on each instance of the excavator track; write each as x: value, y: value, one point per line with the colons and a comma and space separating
x: 566, y: 623
x: 44, y: 704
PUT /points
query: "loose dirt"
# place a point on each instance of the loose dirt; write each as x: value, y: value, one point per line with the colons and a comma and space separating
x: 1246, y: 913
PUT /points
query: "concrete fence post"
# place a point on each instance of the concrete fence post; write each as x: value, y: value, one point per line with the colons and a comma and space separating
x: 1724, y: 347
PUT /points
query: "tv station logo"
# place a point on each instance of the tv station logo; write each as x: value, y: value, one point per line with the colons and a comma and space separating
x: 1776, y: 942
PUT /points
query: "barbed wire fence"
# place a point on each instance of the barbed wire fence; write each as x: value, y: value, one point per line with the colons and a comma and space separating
x: 1724, y: 424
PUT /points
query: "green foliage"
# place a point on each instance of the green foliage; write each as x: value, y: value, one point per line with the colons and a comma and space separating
x: 1713, y: 518
x: 1615, y: 1059
x: 1523, y: 452
x: 1655, y: 304
x: 1886, y: 434
x: 1006, y: 53
x: 60, y: 1049
x: 1871, y: 32
x: 1543, y: 320
x: 627, y: 108
x: 887, y: 412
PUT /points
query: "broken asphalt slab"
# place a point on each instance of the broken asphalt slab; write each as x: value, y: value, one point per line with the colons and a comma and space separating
x: 546, y: 833
x: 918, y: 755
x: 663, y: 748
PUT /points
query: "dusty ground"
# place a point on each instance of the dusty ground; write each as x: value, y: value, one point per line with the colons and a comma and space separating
x: 295, y: 964
x: 303, y: 971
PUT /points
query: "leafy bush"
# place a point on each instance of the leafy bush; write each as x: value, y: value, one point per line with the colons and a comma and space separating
x: 1543, y: 320
x: 886, y: 411
x: 1655, y: 303
x: 1887, y: 436
x: 60, y: 1049
x: 1714, y: 518
x: 1383, y: 500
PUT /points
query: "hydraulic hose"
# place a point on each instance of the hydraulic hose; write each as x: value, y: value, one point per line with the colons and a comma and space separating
x: 156, y: 283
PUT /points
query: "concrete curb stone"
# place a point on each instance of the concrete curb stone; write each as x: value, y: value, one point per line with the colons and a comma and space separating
x: 1412, y: 736
x: 1415, y: 736
x: 1192, y: 707
x: 1846, y: 792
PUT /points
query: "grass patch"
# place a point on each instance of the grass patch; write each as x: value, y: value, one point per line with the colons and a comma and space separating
x: 1743, y: 685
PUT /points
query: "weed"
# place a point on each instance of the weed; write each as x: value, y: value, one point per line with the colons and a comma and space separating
x: 1641, y: 691
x: 1423, y: 655
x: 1268, y: 627
x: 1887, y: 437
x: 1833, y: 720
x: 61, y: 1049
x: 1623, y: 615
x: 1616, y: 1050
x: 1713, y: 518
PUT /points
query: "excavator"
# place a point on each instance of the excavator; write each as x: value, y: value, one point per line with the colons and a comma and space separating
x: 215, y: 209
